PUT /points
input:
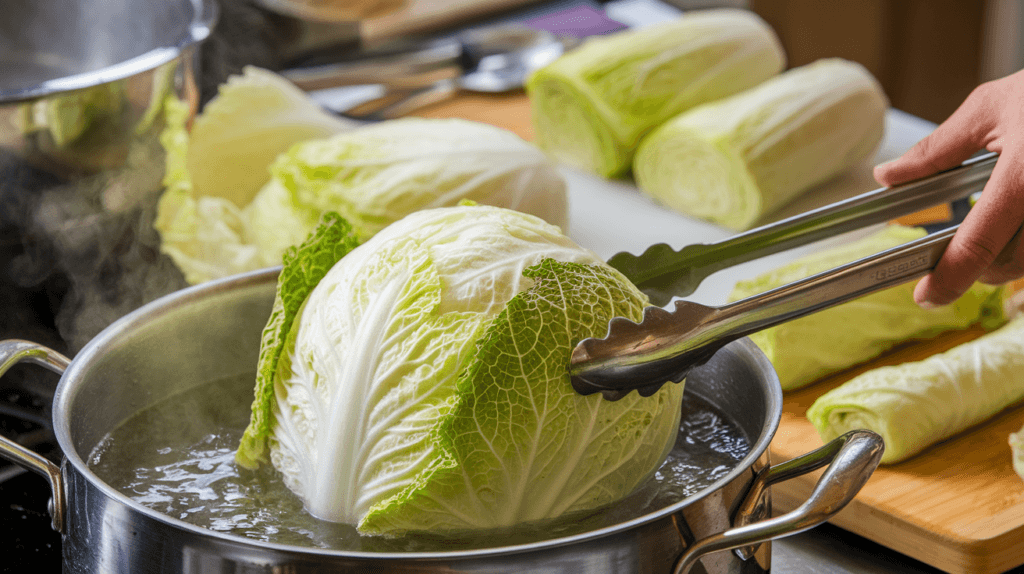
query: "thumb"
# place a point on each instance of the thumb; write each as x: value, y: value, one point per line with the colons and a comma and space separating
x: 955, y: 140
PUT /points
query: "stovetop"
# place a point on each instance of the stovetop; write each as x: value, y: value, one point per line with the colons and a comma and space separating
x: 29, y: 542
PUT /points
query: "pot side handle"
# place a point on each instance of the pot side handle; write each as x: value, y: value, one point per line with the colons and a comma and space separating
x: 12, y: 352
x: 851, y: 459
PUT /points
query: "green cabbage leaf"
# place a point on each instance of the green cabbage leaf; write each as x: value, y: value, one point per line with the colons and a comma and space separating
x: 736, y: 160
x: 422, y: 384
x: 807, y: 349
x: 592, y: 106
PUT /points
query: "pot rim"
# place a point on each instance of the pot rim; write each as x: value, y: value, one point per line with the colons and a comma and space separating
x: 127, y: 324
x: 204, y: 17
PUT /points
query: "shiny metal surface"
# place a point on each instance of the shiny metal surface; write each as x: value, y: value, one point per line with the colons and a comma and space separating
x: 489, y: 59
x: 213, y: 331
x: 420, y: 66
x: 663, y: 273
x: 82, y: 84
x: 11, y: 353
x: 49, y: 47
x: 851, y: 459
x: 666, y: 345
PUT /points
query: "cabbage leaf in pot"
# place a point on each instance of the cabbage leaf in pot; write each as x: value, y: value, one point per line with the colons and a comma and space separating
x: 420, y: 382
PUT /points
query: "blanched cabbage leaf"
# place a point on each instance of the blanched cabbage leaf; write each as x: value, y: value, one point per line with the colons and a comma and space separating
x: 915, y: 405
x: 591, y: 106
x: 422, y: 385
x: 735, y: 160
x: 829, y: 341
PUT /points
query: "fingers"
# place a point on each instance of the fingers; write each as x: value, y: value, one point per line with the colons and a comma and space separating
x: 986, y: 237
x: 965, y: 132
x: 1009, y: 265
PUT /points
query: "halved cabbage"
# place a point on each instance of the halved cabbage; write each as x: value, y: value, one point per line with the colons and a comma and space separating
x: 591, y: 106
x: 378, y: 174
x: 733, y: 161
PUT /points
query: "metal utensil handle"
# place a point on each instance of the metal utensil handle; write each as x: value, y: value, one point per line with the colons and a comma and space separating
x: 830, y: 288
x: 851, y: 459
x: 396, y: 103
x: 15, y: 351
x: 412, y: 69
x: 857, y: 212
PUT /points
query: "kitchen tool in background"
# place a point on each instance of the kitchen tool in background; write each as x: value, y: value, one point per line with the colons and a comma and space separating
x: 665, y: 345
x: 490, y: 59
x: 211, y: 331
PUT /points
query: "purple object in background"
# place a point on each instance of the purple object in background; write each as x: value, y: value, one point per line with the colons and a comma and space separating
x: 579, y: 22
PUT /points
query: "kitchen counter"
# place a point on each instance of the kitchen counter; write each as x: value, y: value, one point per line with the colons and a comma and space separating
x: 598, y: 205
x: 608, y: 216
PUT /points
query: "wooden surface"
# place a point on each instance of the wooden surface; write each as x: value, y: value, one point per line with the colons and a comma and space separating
x: 959, y: 506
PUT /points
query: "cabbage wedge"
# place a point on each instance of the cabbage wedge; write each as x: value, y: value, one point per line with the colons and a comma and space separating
x: 736, y: 160
x: 419, y: 383
x: 915, y: 405
x: 591, y: 106
x: 812, y: 347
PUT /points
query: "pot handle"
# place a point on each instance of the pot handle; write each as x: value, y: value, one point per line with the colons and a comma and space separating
x: 851, y: 459
x: 12, y: 352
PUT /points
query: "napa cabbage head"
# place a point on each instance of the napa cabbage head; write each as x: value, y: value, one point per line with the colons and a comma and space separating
x: 264, y: 162
x: 378, y: 174
x: 420, y: 382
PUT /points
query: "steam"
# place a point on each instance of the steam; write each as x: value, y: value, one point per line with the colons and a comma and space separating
x: 89, y: 241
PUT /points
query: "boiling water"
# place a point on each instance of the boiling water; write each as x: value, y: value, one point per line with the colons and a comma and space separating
x: 177, y: 458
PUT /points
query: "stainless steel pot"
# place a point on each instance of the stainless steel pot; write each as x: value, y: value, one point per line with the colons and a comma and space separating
x: 212, y: 331
x: 81, y: 80
x: 83, y: 91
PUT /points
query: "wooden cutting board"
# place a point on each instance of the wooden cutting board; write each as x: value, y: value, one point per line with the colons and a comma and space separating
x: 959, y: 506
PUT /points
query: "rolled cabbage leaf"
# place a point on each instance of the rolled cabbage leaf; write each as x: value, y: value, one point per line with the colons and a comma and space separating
x: 591, y: 106
x: 1016, y: 441
x: 915, y: 405
x: 422, y: 385
x: 807, y: 349
x: 736, y: 160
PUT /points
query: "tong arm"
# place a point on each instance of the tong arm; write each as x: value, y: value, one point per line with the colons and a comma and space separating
x: 662, y: 272
x: 666, y: 345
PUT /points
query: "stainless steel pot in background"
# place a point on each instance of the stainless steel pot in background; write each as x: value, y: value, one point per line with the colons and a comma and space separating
x: 212, y: 331
x: 84, y: 86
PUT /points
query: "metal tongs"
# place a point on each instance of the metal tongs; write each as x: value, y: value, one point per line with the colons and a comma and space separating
x: 666, y: 345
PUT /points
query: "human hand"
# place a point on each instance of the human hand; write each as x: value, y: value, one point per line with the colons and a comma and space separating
x: 989, y: 245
